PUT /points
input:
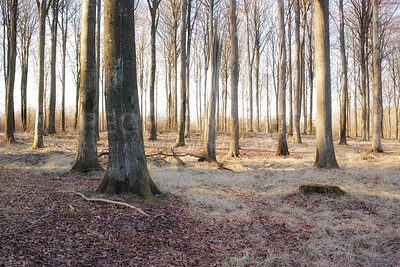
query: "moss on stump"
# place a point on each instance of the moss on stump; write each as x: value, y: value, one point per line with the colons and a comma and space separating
x: 321, y: 189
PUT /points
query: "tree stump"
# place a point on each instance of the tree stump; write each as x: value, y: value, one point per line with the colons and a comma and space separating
x: 321, y: 189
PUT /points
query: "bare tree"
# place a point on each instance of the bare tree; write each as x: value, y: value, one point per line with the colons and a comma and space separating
x: 325, y: 154
x: 43, y: 7
x: 377, y: 81
x: 234, y: 143
x: 86, y: 157
x: 12, y: 56
x: 282, y: 144
x: 154, y: 16
x: 127, y: 167
x: 26, y: 27
x: 51, y: 127
x: 181, y: 130
x: 343, y: 115
x: 297, y: 87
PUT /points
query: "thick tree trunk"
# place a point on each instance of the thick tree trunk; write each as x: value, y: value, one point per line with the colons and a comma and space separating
x: 38, y: 141
x: 181, y: 130
x: 127, y: 167
x: 86, y: 157
x: 377, y: 82
x: 343, y: 115
x: 297, y: 87
x: 12, y: 52
x: 325, y: 154
x: 282, y: 144
x: 51, y: 127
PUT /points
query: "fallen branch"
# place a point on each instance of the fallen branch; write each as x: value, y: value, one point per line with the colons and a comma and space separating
x: 112, y: 202
x: 180, y: 162
x: 204, y: 158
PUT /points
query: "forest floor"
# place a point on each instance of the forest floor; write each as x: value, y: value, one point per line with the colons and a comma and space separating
x: 250, y: 215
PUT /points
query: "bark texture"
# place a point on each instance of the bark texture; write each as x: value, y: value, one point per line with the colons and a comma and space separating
x: 377, y: 82
x: 12, y: 53
x: 127, y: 167
x: 234, y: 143
x: 343, y: 115
x: 38, y: 141
x: 86, y: 158
x: 282, y: 144
x: 325, y: 154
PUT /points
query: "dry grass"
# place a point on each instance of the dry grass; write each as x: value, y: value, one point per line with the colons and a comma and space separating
x: 358, y: 229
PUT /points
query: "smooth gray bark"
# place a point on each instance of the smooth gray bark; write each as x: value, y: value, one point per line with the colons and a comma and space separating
x: 43, y: 8
x: 282, y: 143
x: 86, y: 157
x: 325, y: 154
x: 377, y: 82
x: 127, y: 167
x: 234, y: 142
x: 12, y: 53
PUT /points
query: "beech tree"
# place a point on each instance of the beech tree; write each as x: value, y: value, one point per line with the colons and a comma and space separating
x: 43, y: 8
x: 154, y: 16
x: 325, y: 154
x: 297, y: 86
x: 343, y: 108
x: 127, y: 167
x: 377, y: 81
x: 51, y: 127
x: 181, y: 130
x: 234, y: 142
x: 282, y: 144
x: 26, y: 27
x: 86, y: 157
x: 12, y: 56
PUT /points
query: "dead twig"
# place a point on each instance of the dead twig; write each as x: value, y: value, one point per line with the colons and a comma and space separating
x: 103, y: 153
x: 31, y: 225
x: 111, y: 202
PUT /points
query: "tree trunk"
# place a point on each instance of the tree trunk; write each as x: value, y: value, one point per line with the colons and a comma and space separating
x: 297, y: 87
x: 310, y: 78
x: 24, y: 84
x: 98, y: 55
x: 153, y: 7
x: 127, y: 167
x: 290, y: 72
x: 325, y: 154
x: 86, y: 157
x: 38, y: 141
x: 181, y: 131
x: 234, y: 142
x: 51, y: 127
x: 343, y: 115
x: 12, y: 52
x: 187, y: 79
x: 377, y: 82
x: 355, y: 87
x: 64, y: 25
x: 215, y: 56
x: 282, y: 144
